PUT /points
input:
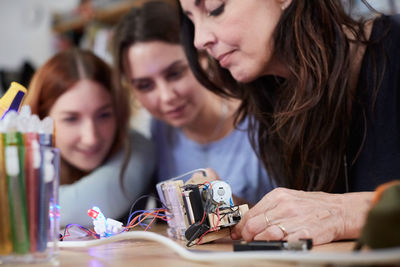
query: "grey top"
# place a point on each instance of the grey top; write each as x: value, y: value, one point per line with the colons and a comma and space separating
x: 102, y: 187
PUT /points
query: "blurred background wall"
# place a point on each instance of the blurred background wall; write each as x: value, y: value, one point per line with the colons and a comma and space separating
x: 31, y: 31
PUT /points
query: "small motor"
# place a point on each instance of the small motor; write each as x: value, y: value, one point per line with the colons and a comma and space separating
x: 222, y: 193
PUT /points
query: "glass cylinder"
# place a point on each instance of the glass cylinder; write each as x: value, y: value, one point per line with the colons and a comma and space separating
x: 30, y: 210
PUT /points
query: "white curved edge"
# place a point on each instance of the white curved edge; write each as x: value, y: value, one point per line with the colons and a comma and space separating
x: 371, y: 257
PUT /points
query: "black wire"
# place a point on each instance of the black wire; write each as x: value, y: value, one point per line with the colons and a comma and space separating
x: 230, y: 212
x: 140, y: 198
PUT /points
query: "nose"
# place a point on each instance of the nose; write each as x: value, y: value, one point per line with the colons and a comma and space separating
x: 89, y: 133
x: 168, y: 92
x: 203, y: 36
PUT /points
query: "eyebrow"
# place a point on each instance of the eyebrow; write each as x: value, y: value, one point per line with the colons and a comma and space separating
x: 197, y: 2
x: 164, y: 71
x: 73, y: 112
x: 172, y: 65
x: 105, y: 107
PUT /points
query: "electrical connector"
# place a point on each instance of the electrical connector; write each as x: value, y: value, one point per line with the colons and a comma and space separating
x: 105, y: 227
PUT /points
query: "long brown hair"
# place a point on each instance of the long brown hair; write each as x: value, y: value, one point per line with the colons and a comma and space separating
x: 153, y: 21
x: 58, y: 75
x: 299, y: 125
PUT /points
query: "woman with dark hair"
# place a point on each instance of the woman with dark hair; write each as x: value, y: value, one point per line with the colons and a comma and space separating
x: 324, y: 91
x: 192, y: 127
x: 91, y: 116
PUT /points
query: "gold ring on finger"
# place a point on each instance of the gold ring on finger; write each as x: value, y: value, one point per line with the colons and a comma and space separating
x: 267, y: 220
x: 283, y: 230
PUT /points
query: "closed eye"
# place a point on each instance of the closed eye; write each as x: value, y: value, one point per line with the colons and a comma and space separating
x: 176, y: 73
x: 218, y: 11
x: 70, y: 119
x: 143, y: 85
x: 105, y: 115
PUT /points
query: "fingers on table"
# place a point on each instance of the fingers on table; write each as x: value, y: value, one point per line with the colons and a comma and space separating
x: 237, y: 230
x: 265, y: 227
x: 253, y: 227
x: 272, y: 232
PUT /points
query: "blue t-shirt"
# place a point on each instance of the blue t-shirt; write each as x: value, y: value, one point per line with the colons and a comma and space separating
x: 231, y: 157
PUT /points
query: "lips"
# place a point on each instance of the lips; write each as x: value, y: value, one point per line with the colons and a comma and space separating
x: 225, y: 59
x: 89, y: 153
x: 175, y: 113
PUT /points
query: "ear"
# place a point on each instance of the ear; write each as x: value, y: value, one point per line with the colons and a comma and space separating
x: 284, y: 3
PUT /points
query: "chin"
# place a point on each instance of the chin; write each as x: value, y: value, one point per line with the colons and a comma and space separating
x: 242, y: 76
x: 88, y: 167
x: 177, y: 123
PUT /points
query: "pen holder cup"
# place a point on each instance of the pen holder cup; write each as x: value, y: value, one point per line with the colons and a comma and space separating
x: 29, y: 209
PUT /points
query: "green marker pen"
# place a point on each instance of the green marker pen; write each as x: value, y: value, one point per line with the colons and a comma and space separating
x: 14, y: 159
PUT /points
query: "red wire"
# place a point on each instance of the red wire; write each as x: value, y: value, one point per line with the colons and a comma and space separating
x: 147, y: 215
x: 204, y: 215
x: 215, y: 228
x: 88, y: 231
x: 152, y: 220
x: 163, y: 217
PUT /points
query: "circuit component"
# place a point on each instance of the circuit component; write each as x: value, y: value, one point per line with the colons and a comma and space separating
x: 103, y: 226
x: 198, y: 210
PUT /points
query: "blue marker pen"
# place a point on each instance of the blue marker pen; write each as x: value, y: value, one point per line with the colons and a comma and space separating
x: 46, y: 176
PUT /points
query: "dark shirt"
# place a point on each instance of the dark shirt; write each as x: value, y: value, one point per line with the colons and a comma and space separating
x: 374, y: 145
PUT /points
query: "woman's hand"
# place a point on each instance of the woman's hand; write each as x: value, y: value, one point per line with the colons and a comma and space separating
x: 285, y: 214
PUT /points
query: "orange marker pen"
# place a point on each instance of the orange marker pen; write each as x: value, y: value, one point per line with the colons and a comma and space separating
x: 5, y: 233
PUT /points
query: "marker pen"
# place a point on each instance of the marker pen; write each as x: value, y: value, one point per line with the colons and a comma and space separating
x: 32, y: 164
x: 14, y: 159
x: 46, y: 176
x: 12, y: 99
x: 9, y: 101
x: 5, y: 233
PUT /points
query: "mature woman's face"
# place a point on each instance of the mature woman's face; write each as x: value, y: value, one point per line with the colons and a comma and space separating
x: 237, y: 33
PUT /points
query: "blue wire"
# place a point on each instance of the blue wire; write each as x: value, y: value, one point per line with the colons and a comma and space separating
x: 88, y: 231
x: 133, y: 213
x: 140, y: 198
x: 142, y: 212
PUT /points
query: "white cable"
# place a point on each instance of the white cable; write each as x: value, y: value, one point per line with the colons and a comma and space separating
x: 204, y: 171
x: 383, y: 256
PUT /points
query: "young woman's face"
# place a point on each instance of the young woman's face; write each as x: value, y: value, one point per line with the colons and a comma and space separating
x: 85, y: 124
x: 237, y: 33
x: 163, y: 82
